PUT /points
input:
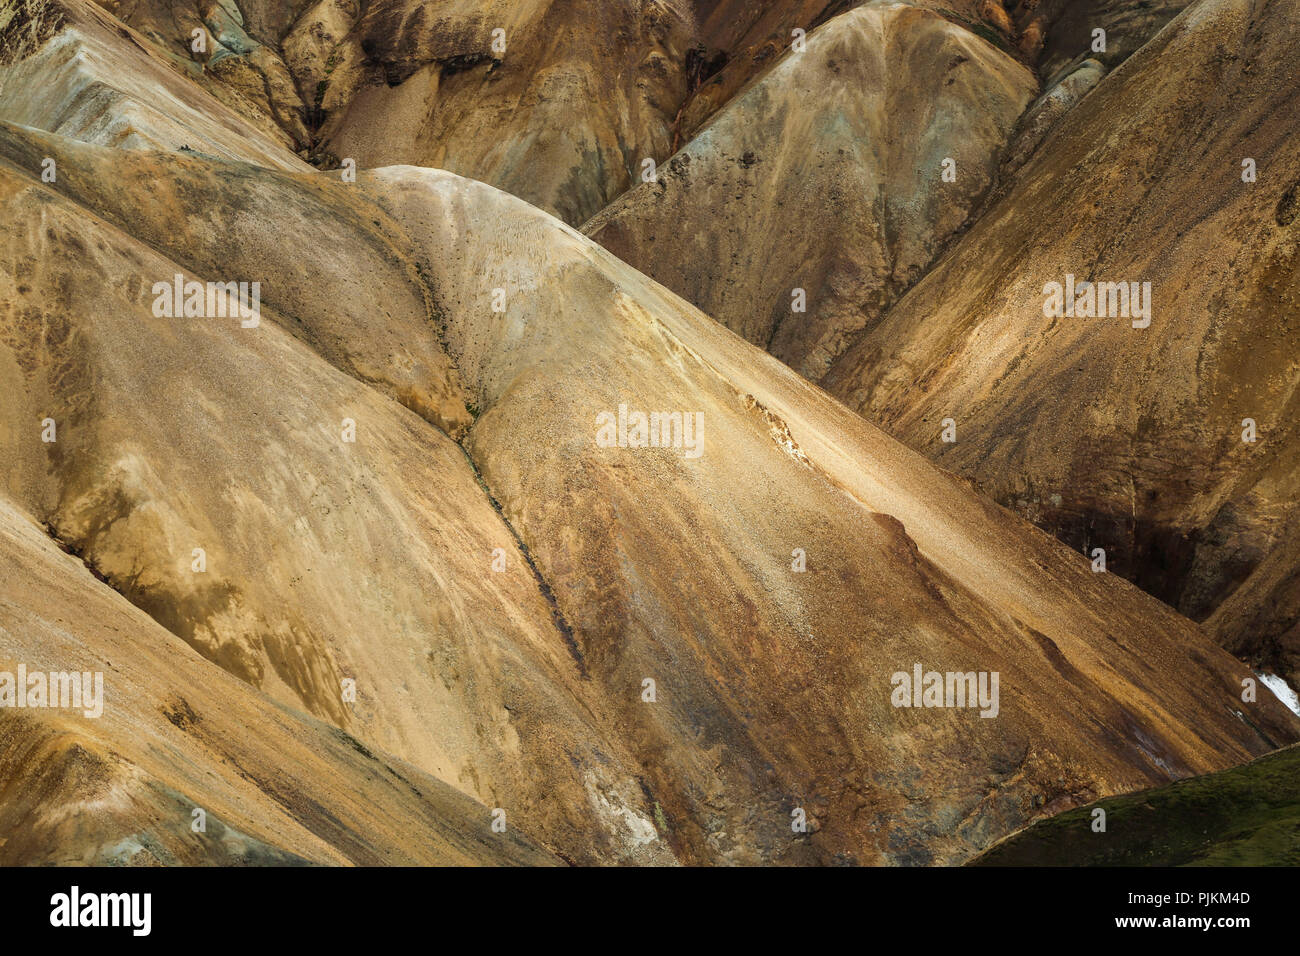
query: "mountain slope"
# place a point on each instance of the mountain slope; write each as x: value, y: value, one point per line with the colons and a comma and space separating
x: 1131, y: 439
x: 1055, y: 32
x: 68, y: 67
x: 660, y: 566
x: 238, y: 59
x: 739, y: 39
x: 679, y: 569
x: 827, y: 176
x: 561, y: 107
x: 323, y: 559
x: 409, y: 474
x: 178, y: 734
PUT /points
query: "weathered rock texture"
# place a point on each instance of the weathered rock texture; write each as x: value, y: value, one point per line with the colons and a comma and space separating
x: 1052, y: 33
x: 68, y: 67
x: 827, y: 176
x: 178, y: 734
x: 561, y: 111
x: 1131, y: 439
x: 394, y: 481
x: 737, y: 40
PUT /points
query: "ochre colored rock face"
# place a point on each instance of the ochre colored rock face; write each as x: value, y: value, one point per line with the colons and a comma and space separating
x: 555, y: 100
x: 94, y: 79
x: 739, y: 40
x: 800, y: 213
x: 405, y: 523
x: 178, y: 735
x: 1134, y: 440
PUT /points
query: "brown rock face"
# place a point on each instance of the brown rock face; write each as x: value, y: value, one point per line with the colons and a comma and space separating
x: 1055, y: 32
x: 1048, y: 110
x: 809, y: 204
x: 738, y: 40
x: 92, y: 78
x: 1134, y: 440
x: 678, y: 569
x: 393, y: 509
x: 368, y: 312
x: 557, y: 101
x: 661, y: 565
x: 231, y: 49
x: 179, y: 742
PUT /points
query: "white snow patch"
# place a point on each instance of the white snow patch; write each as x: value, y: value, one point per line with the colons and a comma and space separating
x: 1281, y: 690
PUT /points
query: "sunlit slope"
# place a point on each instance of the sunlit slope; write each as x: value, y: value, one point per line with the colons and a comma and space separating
x: 322, y: 559
x: 1171, y: 446
x: 69, y: 67
x: 773, y: 685
x: 808, y: 204
x: 176, y: 734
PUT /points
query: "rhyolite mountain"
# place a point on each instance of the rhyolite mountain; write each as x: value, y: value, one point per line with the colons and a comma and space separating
x: 363, y: 579
x: 811, y: 215
x: 1172, y: 447
x: 812, y: 200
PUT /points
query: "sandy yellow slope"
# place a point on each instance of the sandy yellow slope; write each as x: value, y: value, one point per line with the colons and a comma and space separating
x: 176, y: 733
x: 525, y: 688
x: 1131, y: 439
x: 840, y: 174
x: 69, y: 67
x: 356, y: 299
x: 773, y: 684
x: 325, y: 559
